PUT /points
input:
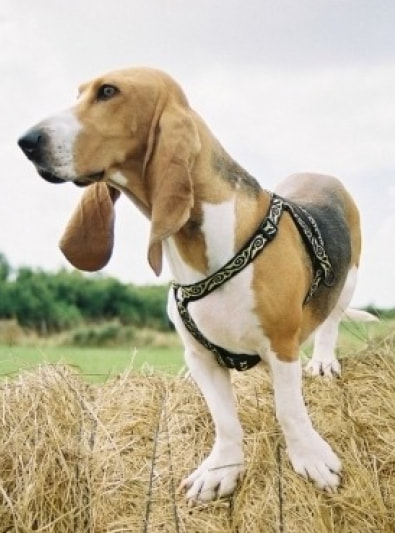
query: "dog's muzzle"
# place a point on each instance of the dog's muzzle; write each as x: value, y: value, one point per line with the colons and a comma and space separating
x: 34, y: 145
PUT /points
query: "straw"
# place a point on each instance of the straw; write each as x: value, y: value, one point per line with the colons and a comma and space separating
x: 76, y: 457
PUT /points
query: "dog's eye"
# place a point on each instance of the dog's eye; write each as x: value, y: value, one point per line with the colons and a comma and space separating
x: 106, y: 92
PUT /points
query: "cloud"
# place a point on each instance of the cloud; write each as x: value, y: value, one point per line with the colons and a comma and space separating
x: 285, y: 86
x: 335, y: 120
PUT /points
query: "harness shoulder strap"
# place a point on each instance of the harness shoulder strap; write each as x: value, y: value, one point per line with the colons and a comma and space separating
x: 184, y: 294
x: 265, y: 233
x: 314, y: 243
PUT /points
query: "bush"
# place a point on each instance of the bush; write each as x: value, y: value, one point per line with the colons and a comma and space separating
x: 53, y: 302
x: 108, y: 334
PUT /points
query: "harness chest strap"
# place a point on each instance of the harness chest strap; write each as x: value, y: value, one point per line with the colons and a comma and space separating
x: 266, y: 232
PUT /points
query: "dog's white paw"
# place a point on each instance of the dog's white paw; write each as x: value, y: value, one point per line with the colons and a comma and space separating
x: 328, y: 368
x: 216, y: 477
x: 315, y: 459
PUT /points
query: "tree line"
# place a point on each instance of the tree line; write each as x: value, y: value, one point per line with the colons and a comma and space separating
x: 52, y: 302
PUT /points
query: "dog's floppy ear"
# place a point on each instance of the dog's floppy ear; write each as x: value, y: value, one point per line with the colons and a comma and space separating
x: 88, y: 239
x: 175, y: 143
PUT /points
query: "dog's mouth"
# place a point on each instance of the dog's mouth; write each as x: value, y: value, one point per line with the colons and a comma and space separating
x: 81, y: 181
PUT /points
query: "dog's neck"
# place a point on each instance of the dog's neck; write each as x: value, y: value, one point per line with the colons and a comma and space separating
x: 226, y: 212
x: 228, y: 206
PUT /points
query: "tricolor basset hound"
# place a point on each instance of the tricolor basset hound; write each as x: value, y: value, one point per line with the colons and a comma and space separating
x: 133, y: 132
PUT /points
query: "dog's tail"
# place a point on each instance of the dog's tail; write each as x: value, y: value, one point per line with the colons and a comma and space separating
x: 356, y: 315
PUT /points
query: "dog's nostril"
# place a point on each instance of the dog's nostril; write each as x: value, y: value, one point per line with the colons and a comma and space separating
x: 30, y: 143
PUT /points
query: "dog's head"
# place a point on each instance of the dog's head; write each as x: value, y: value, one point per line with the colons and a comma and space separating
x: 130, y: 129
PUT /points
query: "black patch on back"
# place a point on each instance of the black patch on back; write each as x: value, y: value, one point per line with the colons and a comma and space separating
x: 234, y: 174
x: 335, y: 232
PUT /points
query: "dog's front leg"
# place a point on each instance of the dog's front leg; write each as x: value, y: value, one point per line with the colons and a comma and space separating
x: 219, y: 473
x: 310, y: 455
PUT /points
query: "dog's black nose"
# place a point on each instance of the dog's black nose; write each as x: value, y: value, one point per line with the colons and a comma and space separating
x: 31, y: 144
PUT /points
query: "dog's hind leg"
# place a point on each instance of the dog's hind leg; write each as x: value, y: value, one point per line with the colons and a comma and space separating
x: 324, y: 361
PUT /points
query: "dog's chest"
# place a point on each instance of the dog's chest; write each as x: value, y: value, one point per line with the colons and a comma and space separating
x: 226, y: 317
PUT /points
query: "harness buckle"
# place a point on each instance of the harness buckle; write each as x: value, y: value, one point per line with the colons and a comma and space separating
x: 269, y: 229
x: 178, y: 292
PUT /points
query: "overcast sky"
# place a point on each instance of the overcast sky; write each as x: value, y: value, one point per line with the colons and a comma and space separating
x: 286, y: 85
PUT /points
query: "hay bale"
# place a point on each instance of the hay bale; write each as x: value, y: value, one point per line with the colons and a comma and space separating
x: 85, y: 458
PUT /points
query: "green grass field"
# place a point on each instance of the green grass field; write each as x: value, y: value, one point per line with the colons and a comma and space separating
x: 99, y: 364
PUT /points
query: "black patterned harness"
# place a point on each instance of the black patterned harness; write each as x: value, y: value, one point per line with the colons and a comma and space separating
x: 266, y: 232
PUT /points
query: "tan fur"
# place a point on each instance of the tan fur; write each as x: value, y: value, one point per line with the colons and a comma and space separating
x: 172, y: 163
x: 352, y: 213
x: 133, y: 131
x: 280, y: 310
x: 154, y: 144
x: 191, y: 232
x: 88, y: 239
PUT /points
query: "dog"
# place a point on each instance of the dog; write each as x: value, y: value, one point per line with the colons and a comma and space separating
x: 132, y: 131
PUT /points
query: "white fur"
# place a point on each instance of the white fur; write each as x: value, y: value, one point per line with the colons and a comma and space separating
x: 227, y: 318
x: 62, y: 130
x: 117, y: 178
x: 219, y: 473
x: 324, y: 360
x: 310, y: 455
x: 236, y: 331
x: 181, y: 271
x: 218, y: 226
x: 240, y: 332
